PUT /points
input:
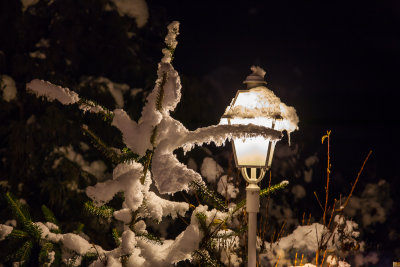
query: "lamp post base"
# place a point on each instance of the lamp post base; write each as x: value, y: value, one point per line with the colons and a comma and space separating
x: 252, y: 208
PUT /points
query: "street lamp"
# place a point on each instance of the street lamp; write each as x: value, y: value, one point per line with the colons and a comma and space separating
x: 259, y: 106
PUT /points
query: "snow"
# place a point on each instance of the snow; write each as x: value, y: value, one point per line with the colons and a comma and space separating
x: 91, y: 107
x: 140, y: 227
x: 304, y: 239
x: 211, y: 169
x: 298, y: 191
x: 159, y: 207
x: 135, y: 91
x: 134, y: 136
x: 97, y: 168
x: 5, y: 230
x: 158, y: 132
x: 43, y: 43
x: 128, y: 241
x: 136, y: 9
x: 230, y: 259
x: 361, y: 260
x: 331, y: 260
x: 51, y: 256
x: 76, y: 243
x: 52, y: 92
x: 28, y: 3
x: 124, y: 215
x: 173, y: 31
x: 126, y: 178
x: 261, y: 105
x: 308, y: 175
x: 373, y: 205
x: 343, y: 264
x: 226, y: 188
x: 309, y: 163
x: 169, y: 174
x: 7, y: 84
x: 37, y: 54
x: 116, y: 89
x: 12, y: 223
x: 47, y: 234
x: 51, y: 226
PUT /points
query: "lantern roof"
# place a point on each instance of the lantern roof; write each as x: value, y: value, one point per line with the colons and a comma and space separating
x: 261, y: 102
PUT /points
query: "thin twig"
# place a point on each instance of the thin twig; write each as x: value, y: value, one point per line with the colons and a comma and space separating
x: 323, y: 258
x: 180, y: 217
x: 281, y: 231
x: 358, y: 176
x: 319, y: 202
x: 328, y: 171
x: 197, y: 198
x: 278, y: 261
x: 333, y: 210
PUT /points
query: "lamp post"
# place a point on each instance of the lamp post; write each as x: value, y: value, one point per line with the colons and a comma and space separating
x: 256, y: 105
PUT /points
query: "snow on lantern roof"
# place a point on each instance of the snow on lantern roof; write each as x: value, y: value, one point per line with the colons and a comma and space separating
x: 260, y: 102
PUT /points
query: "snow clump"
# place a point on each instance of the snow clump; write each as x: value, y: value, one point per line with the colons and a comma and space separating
x: 226, y: 188
x: 211, y: 169
x: 136, y: 9
x: 7, y: 85
x: 5, y: 230
x: 53, y: 92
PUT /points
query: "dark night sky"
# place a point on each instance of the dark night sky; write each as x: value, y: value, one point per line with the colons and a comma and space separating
x: 336, y: 62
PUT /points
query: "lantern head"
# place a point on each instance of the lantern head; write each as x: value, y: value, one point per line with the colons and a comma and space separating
x: 259, y: 106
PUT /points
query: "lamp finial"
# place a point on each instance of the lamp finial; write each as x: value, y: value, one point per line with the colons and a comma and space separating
x: 256, y: 78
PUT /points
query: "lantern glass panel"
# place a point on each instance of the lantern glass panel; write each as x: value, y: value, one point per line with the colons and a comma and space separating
x: 252, y: 151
